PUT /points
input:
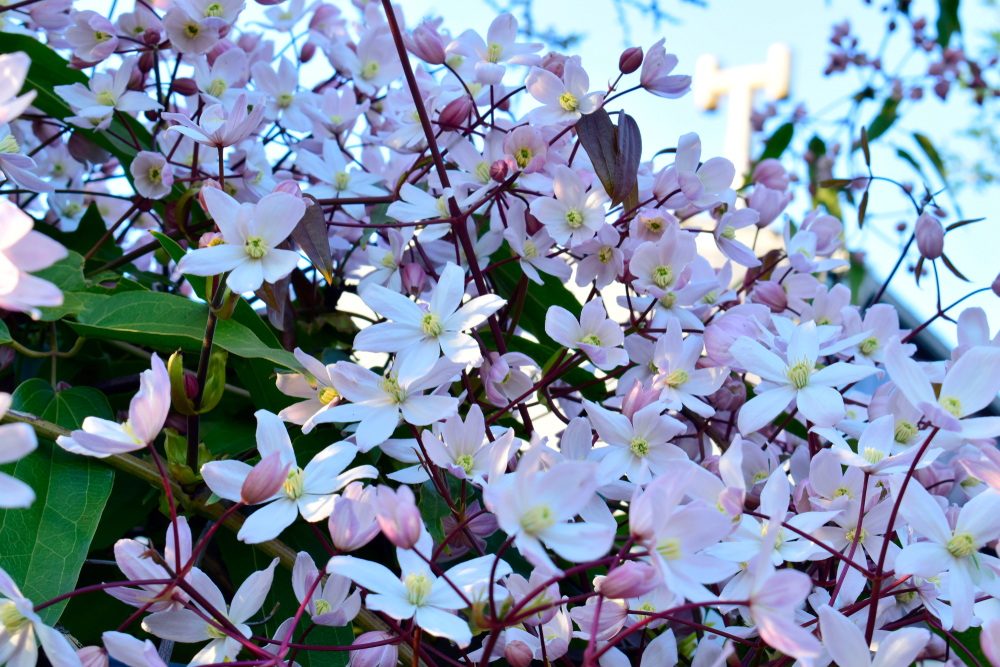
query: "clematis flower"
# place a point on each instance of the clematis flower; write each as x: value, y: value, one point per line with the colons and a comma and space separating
x: 503, y: 379
x: 955, y: 551
x: 725, y: 236
x: 422, y: 334
x: 353, y: 522
x: 657, y: 266
x: 655, y: 75
x: 464, y: 450
x: 216, y: 81
x: 189, y: 35
x: 575, y: 215
x: 604, y: 261
x: 637, y: 447
x: 219, y: 128
x: 532, y: 250
x: 525, y: 149
x: 131, y: 651
x: 16, y: 442
x: 387, y: 263
x: 565, y: 99
x: 16, y: 167
x: 677, y: 378
x: 875, y: 448
x: 846, y: 644
x: 500, y: 47
x: 415, y: 205
x: 319, y: 398
x: 797, y: 379
x: 701, y: 184
x: 595, y: 334
x: 336, y: 112
x: 539, y: 507
x: 13, y: 70
x: 105, y: 92
x: 133, y: 560
x: 23, y: 631
x: 418, y: 594
x: 185, y: 626
x: 152, y: 175
x: 146, y: 413
x: 307, y: 491
x: 329, y: 603
x: 284, y: 100
x: 92, y: 36
x: 22, y: 251
x: 252, y: 232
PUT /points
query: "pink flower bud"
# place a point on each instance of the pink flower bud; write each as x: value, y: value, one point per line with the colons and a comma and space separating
x: 426, y: 44
x: 307, y: 53
x: 93, y: 656
x: 386, y: 655
x: 637, y: 398
x: 185, y: 87
x: 145, y: 62
x: 322, y: 15
x: 771, y: 174
x: 289, y: 187
x: 629, y: 580
x: 630, y: 60
x: 730, y: 396
x: 414, y: 278
x: 455, y: 114
x: 731, y: 501
x: 190, y: 381
x: 398, y: 516
x: 265, y: 479
x: 772, y: 295
x: 248, y: 41
x: 152, y: 37
x: 352, y: 523
x: 719, y: 337
x: 498, y: 171
x: 930, y: 236
x: 518, y: 654
x: 768, y: 203
x: 207, y: 183
x: 996, y: 285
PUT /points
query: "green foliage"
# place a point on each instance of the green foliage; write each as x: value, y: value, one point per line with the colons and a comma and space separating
x: 884, y: 120
x: 778, y: 142
x: 45, y: 545
x: 947, y: 22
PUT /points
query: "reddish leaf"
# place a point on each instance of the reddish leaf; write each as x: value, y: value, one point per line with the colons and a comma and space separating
x: 956, y: 225
x: 836, y: 183
x: 864, y: 146
x: 862, y: 210
x: 951, y: 267
x: 629, y: 154
x: 310, y: 235
x: 597, y: 134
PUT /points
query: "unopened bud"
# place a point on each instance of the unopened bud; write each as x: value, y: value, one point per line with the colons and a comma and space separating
x: 265, y: 479
x: 289, y: 187
x: 730, y: 396
x: 398, y: 516
x: 426, y: 44
x: 498, y: 171
x: 629, y: 580
x: 772, y: 295
x: 93, y: 656
x: 996, y: 286
x: 930, y: 236
x: 637, y: 398
x: 207, y: 183
x: 455, y: 114
x: 307, y: 52
x: 152, y: 37
x: 190, y: 385
x: 518, y: 654
x: 220, y: 47
x: 186, y: 87
x: 630, y: 60
x: 322, y: 15
x: 414, y: 279
x: 146, y: 61
x: 386, y: 655
x: 770, y: 173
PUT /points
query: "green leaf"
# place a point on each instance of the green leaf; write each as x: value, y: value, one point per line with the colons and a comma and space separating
x: 778, y: 142
x: 909, y: 158
x: 170, y: 321
x: 884, y: 120
x: 5, y: 338
x: 45, y: 545
x: 931, y: 152
x: 970, y: 640
x: 433, y: 508
x: 947, y: 23
x: 67, y: 273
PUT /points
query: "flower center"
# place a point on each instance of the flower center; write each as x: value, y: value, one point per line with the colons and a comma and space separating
x: 952, y: 404
x: 653, y: 368
x: 843, y: 491
x: 11, y: 618
x: 574, y: 218
x: 677, y: 378
x: 904, y: 431
x: 670, y: 548
x: 728, y: 233
x: 101, y: 36
x: 389, y: 261
x: 127, y: 427
x: 341, y: 180
x: 663, y: 276
x: 538, y: 518
x: 218, y: 240
x: 430, y: 324
x: 648, y: 606
x: 214, y: 632
x: 418, y: 588
x: 483, y: 171
x: 853, y: 532
x: 523, y: 156
x: 390, y: 385
x: 654, y: 224
x: 710, y: 298
x: 493, y: 52
x: 868, y: 345
x: 336, y: 119
x: 155, y: 175
x: 71, y: 210
x: 294, y: 485
x: 192, y: 30
x: 962, y: 545
x: 285, y: 16
x: 466, y: 461
x: 668, y: 300
x: 322, y: 606
x: 256, y: 247
x: 442, y: 206
x: 604, y: 254
x: 873, y: 455
x: 781, y: 534
x: 798, y: 373
x: 285, y: 100
x: 217, y: 87
x: 568, y: 101
x: 328, y: 395
x: 106, y: 98
x: 905, y: 598
x: 591, y: 339
x: 639, y: 446
x: 369, y: 70
x: 214, y: 10
x: 530, y: 251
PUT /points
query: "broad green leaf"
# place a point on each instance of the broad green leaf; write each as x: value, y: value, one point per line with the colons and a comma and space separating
x: 45, y: 545
x: 947, y: 23
x: 4, y: 334
x: 970, y: 640
x: 932, y: 154
x: 73, y: 303
x: 778, y: 142
x: 67, y: 273
x: 884, y: 120
x: 433, y: 509
x: 171, y: 321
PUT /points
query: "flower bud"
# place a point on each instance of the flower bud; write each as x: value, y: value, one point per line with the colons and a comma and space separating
x: 771, y: 174
x: 996, y: 286
x: 307, y: 52
x: 152, y: 37
x: 398, y: 516
x: 352, y: 523
x: 772, y: 295
x: 207, y: 183
x: 730, y: 396
x: 499, y: 170
x: 265, y: 479
x: 518, y: 654
x: 426, y: 44
x: 93, y: 656
x: 455, y: 113
x: 190, y: 385
x: 731, y: 501
x: 220, y: 47
x: 289, y: 187
x: 376, y: 656
x: 414, y: 279
x: 629, y: 580
x: 630, y: 60
x: 146, y: 62
x: 185, y: 87
x: 930, y: 236
x: 768, y: 203
x: 637, y: 398
x: 719, y: 337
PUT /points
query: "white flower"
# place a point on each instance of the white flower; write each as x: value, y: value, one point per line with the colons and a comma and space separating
x: 319, y: 398
x: 216, y: 81
x: 16, y: 442
x: 307, y: 491
x: 13, y: 70
x: 16, y: 167
x: 566, y: 99
x: 575, y: 215
x: 22, y: 251
x: 251, y: 232
x: 23, y: 631
x: 657, y: 266
x: 283, y: 98
x: 329, y: 603
x: 219, y: 128
x: 373, y: 65
x: 700, y: 184
x: 637, y: 448
x: 337, y: 181
x: 500, y: 46
x: 676, y: 377
x: 105, y: 92
x: 387, y: 262
x: 465, y: 450
x: 152, y: 175
x: 846, y: 644
x: 596, y: 335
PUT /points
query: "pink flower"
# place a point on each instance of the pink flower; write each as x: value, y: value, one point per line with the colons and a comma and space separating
x: 398, y: 516
x: 92, y: 36
x: 22, y: 251
x: 655, y: 76
x: 152, y: 175
x: 353, y: 522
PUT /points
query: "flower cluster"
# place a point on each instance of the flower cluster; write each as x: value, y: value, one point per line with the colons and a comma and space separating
x: 517, y: 394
